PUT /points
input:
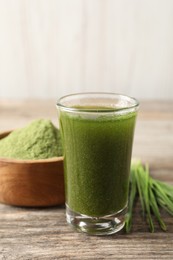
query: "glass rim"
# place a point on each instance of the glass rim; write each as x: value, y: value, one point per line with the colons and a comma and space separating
x: 94, y: 110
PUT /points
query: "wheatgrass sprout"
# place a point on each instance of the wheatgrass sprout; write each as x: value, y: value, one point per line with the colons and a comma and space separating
x: 153, y: 195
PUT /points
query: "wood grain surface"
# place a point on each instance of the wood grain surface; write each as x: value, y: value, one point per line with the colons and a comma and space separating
x: 43, y: 233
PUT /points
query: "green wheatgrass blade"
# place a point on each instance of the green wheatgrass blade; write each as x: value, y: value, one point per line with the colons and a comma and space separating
x: 139, y: 187
x: 146, y: 199
x: 154, y: 207
x: 161, y: 194
x: 162, y: 204
x: 168, y: 189
x: 132, y: 196
x: 165, y: 185
x: 152, y: 193
x: 142, y: 176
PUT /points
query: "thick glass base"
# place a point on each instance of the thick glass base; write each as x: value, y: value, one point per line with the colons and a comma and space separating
x: 100, y: 226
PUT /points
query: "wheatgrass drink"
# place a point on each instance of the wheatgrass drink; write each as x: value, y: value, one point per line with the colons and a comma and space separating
x: 97, y: 134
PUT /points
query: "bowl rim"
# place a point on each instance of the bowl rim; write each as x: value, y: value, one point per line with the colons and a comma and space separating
x: 29, y: 161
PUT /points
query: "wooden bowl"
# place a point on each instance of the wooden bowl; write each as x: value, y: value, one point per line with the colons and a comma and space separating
x: 31, y: 183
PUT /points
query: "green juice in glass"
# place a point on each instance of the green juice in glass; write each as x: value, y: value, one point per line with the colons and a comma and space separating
x: 97, y: 155
x: 97, y: 135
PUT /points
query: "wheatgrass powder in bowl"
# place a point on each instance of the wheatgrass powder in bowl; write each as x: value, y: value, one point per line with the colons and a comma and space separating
x: 38, y: 140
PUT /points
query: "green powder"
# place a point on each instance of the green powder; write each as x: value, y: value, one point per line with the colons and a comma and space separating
x: 38, y: 140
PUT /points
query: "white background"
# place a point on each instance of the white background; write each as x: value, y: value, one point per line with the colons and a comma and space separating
x: 49, y: 48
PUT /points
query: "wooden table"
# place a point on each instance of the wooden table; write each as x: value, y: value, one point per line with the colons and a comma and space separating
x: 43, y: 233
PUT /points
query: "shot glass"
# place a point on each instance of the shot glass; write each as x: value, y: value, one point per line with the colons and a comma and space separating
x: 97, y: 132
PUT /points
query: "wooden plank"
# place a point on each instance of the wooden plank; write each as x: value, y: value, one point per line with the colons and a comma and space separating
x: 44, y: 234
x: 31, y: 233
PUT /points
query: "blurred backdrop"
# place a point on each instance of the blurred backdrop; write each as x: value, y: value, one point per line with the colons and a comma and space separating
x: 49, y: 48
